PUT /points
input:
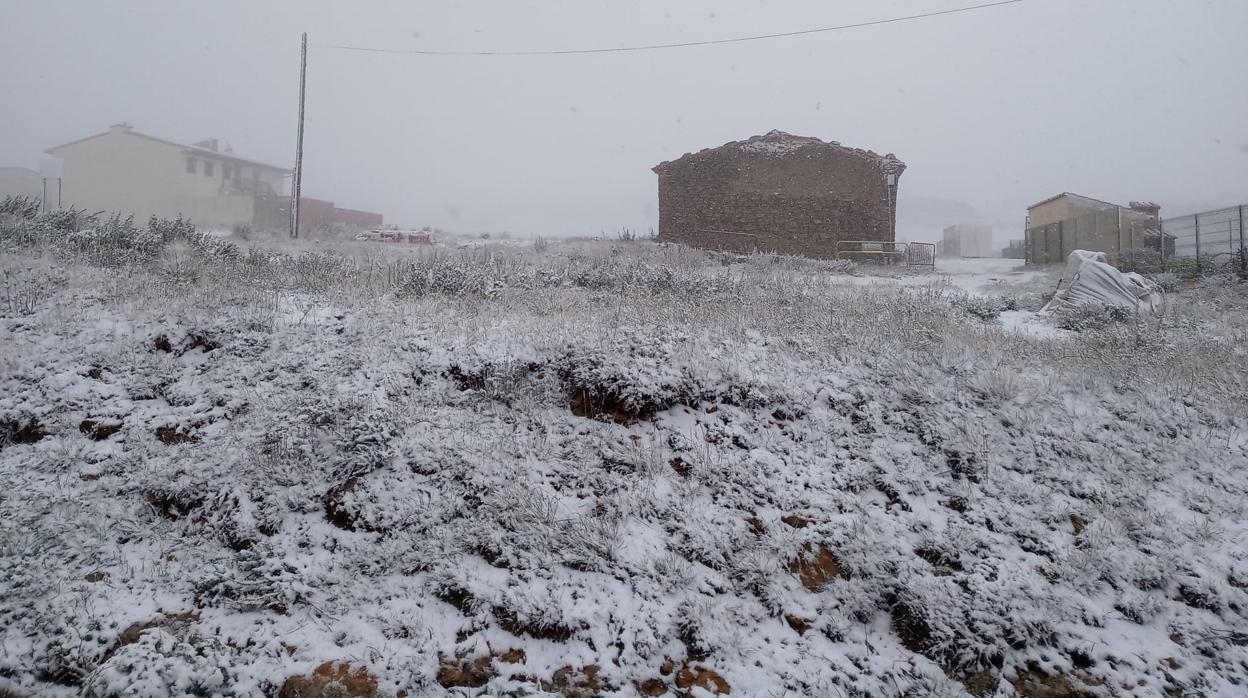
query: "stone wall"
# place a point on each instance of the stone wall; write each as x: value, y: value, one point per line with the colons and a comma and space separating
x: 791, y: 202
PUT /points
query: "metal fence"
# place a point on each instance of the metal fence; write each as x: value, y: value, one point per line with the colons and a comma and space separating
x: 1207, y: 242
x: 909, y: 254
x: 1211, y: 241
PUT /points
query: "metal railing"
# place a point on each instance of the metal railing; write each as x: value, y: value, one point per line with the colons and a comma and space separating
x: 910, y: 254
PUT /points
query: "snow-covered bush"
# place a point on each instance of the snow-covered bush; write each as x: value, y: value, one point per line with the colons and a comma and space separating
x: 1093, y: 317
x: 1166, y: 281
x: 22, y: 207
x: 985, y: 308
x: 160, y: 664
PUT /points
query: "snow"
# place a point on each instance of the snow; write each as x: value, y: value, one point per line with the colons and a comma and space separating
x: 1030, y: 323
x: 396, y: 475
x: 772, y: 147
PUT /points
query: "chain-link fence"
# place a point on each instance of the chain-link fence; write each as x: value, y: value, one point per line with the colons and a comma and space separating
x: 1201, y: 243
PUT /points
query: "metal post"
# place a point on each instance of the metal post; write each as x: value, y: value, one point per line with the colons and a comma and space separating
x: 45, y: 194
x: 1196, y: 218
x: 58, y: 193
x: 1118, y: 237
x: 1243, y: 254
x: 1161, y: 240
x: 1131, y: 242
x: 296, y: 182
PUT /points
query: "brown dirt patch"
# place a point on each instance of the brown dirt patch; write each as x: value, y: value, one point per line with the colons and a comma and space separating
x: 331, y: 680
x: 795, y: 521
x: 816, y: 566
x: 17, y: 433
x: 691, y: 676
x: 98, y: 430
x: 170, y: 436
x: 652, y: 687
x: 1034, y: 683
x: 575, y: 683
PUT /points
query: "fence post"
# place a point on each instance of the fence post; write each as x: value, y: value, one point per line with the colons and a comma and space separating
x: 1161, y: 238
x: 1130, y: 240
x: 1118, y: 235
x: 1196, y: 218
x: 1243, y: 256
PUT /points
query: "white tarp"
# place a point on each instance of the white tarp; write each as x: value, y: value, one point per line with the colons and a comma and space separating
x: 1090, y: 280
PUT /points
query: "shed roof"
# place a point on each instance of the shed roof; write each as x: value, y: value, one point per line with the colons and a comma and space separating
x: 779, y: 144
x: 1085, y: 200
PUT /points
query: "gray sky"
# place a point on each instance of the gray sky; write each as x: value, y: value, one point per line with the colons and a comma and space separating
x: 992, y: 110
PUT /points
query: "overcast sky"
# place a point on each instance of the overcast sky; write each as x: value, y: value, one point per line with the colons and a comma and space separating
x: 992, y: 110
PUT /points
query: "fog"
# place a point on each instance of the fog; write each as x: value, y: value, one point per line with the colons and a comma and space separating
x: 992, y: 110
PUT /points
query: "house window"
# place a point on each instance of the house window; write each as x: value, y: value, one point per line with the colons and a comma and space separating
x: 225, y: 173
x: 208, y: 168
x: 191, y: 164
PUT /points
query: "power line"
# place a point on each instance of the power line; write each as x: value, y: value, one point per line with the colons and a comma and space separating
x: 652, y: 47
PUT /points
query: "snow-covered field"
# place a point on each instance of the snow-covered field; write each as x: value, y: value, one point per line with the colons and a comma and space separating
x: 606, y: 469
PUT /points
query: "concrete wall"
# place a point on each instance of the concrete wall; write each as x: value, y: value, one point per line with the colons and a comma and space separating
x: 799, y: 203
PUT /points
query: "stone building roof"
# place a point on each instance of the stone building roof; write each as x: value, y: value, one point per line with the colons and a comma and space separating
x: 779, y: 144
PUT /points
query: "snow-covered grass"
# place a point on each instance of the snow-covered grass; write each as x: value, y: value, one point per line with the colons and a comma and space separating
x: 607, y: 468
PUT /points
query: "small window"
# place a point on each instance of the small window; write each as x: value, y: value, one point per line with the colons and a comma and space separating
x: 208, y: 168
x: 191, y: 164
x: 225, y: 172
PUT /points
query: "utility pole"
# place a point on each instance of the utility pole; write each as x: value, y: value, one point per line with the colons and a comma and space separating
x: 296, y: 182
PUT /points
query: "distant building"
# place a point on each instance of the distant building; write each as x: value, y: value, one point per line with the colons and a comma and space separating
x: 779, y: 193
x: 133, y: 173
x: 1017, y: 249
x: 1066, y: 222
x: 966, y: 240
x: 313, y: 214
x: 19, y: 181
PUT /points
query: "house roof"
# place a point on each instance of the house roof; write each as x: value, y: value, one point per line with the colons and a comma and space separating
x: 1096, y: 203
x: 193, y: 149
x: 780, y: 144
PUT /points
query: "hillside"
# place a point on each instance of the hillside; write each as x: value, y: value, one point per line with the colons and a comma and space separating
x: 604, y: 468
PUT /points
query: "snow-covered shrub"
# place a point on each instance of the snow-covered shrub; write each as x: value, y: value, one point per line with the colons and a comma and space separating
x: 1166, y: 281
x: 23, y: 291
x: 453, y: 276
x: 319, y: 271
x: 634, y: 376
x: 258, y: 578
x: 161, y: 664
x: 789, y: 262
x: 1142, y: 261
x: 172, y: 229
x: 1093, y: 317
x: 985, y: 308
x: 115, y: 241
x: 22, y: 207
